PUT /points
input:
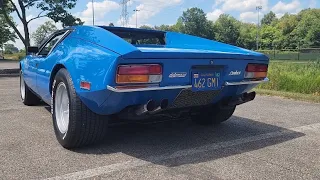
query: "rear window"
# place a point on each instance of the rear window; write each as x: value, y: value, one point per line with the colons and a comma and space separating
x: 139, y: 36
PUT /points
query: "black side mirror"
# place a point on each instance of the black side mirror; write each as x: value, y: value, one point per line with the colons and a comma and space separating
x: 32, y: 50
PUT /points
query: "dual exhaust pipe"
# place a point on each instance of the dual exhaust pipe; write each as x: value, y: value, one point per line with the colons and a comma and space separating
x: 244, y: 98
x: 152, y: 107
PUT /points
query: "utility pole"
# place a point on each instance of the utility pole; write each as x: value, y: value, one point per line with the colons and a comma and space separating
x: 92, y: 13
x: 124, y: 12
x: 258, y: 8
x: 136, y: 10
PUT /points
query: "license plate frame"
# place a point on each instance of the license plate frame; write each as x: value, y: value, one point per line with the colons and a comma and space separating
x: 206, y: 80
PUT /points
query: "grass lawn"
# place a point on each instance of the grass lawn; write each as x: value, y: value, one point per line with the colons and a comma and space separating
x: 15, y: 56
x: 294, y: 80
x: 294, y: 77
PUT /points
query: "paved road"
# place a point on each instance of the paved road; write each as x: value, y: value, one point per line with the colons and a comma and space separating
x: 9, y: 64
x: 270, y: 138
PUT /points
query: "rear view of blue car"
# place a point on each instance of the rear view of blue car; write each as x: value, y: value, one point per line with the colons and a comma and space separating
x: 94, y: 75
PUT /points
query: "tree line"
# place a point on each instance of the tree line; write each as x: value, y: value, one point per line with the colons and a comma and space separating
x: 291, y: 31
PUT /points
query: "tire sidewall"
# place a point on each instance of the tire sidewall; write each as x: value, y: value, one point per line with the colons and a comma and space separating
x: 21, y: 76
x: 63, y: 138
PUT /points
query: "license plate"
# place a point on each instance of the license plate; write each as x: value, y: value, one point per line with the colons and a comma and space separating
x: 206, y: 81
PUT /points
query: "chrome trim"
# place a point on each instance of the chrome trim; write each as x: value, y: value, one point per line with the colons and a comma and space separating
x: 147, y: 88
x: 265, y: 80
x: 114, y: 89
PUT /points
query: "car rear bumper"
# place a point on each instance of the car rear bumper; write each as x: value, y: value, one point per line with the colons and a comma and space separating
x: 155, y: 88
x: 113, y: 100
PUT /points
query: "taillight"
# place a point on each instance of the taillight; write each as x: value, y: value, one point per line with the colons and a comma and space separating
x: 144, y: 73
x: 254, y: 71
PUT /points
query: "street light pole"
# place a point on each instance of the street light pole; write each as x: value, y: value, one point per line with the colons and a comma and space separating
x: 136, y: 10
x: 258, y: 8
x: 92, y: 13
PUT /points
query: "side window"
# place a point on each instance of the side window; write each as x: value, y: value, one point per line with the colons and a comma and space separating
x: 50, y: 44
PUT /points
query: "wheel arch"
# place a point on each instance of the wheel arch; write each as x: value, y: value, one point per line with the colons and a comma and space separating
x: 54, y: 71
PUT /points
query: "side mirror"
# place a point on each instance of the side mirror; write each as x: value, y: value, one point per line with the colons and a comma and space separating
x: 32, y: 49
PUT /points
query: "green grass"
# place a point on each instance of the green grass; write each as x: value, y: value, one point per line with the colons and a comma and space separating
x: 15, y: 56
x: 294, y: 77
x: 290, y: 95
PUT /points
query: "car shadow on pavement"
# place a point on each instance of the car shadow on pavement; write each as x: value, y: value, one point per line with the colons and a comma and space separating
x: 179, y: 142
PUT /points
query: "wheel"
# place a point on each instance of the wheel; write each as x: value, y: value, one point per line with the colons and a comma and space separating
x: 74, y: 124
x: 27, y: 96
x: 212, y: 115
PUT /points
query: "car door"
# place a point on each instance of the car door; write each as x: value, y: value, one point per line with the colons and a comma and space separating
x: 45, y: 63
x: 29, y: 73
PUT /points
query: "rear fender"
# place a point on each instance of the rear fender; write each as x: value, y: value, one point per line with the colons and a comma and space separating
x: 90, y: 63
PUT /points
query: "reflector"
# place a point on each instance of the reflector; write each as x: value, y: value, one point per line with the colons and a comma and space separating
x: 85, y: 85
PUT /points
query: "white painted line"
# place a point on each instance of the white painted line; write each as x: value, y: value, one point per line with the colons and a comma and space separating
x: 138, y: 163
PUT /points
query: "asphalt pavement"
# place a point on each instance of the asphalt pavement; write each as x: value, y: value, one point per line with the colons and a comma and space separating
x: 9, y: 64
x: 9, y: 68
x: 269, y: 138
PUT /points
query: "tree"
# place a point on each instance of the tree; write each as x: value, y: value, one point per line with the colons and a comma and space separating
x: 227, y: 29
x: 53, y: 9
x: 6, y: 33
x: 269, y: 35
x: 269, y: 18
x: 307, y: 28
x: 146, y: 27
x: 10, y: 49
x: 196, y: 23
x: 247, y: 37
x: 43, y: 32
x: 111, y: 25
x: 163, y: 27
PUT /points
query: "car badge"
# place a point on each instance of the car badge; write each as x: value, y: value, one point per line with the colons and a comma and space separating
x: 178, y: 75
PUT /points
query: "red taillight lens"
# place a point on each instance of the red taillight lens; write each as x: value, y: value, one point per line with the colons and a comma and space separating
x: 153, y: 69
x: 256, y: 71
x: 257, y: 68
x: 144, y: 73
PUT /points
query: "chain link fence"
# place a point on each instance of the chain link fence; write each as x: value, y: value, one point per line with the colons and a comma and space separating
x: 303, y: 54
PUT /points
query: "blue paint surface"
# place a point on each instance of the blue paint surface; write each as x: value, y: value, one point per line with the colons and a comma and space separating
x: 93, y: 54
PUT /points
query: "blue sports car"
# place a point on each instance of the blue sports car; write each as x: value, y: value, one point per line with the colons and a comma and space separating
x: 94, y: 75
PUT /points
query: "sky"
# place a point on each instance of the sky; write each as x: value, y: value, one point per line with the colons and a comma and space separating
x: 157, y: 12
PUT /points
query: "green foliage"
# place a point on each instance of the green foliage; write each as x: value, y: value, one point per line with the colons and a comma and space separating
x: 269, y: 37
x: 15, y: 56
x: 294, y: 77
x: 247, y: 38
x: 57, y: 10
x: 227, y: 29
x: 43, y: 32
x: 10, y: 49
x: 290, y: 31
x: 269, y: 18
x: 195, y: 22
x: 5, y: 31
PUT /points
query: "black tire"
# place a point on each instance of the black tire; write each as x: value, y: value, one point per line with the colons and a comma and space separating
x: 85, y: 127
x: 29, y: 98
x: 212, y: 115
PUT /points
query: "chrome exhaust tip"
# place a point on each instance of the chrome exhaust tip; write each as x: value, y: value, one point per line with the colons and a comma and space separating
x: 143, y: 109
x: 163, y: 105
